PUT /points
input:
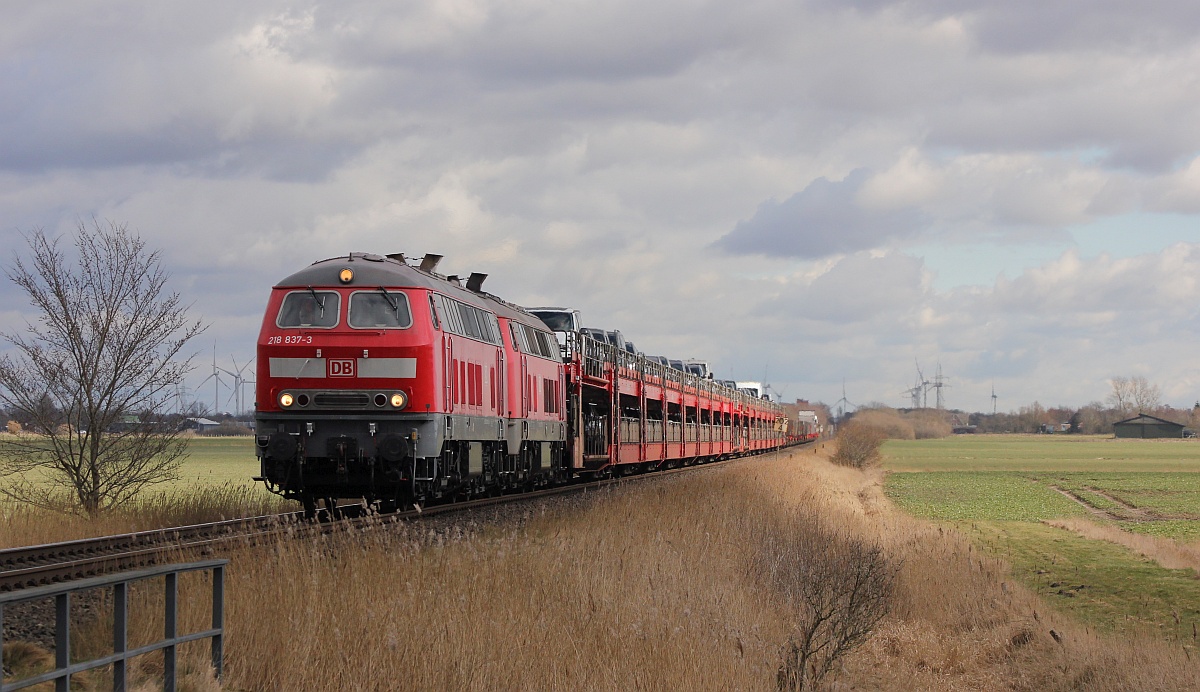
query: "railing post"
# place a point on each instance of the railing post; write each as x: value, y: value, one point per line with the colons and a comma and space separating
x: 218, y: 619
x: 62, y: 639
x: 120, y: 633
x: 170, y: 630
x: 64, y: 669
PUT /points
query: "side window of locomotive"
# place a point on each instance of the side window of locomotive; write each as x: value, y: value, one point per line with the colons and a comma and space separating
x: 467, y: 320
x: 518, y: 337
x: 374, y: 310
x: 490, y: 326
x: 437, y: 321
x: 535, y: 344
x: 317, y: 310
x: 536, y: 347
x: 549, y: 344
x: 470, y: 321
x: 450, y: 309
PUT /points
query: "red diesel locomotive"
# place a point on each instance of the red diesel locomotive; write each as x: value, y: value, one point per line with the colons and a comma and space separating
x: 384, y: 380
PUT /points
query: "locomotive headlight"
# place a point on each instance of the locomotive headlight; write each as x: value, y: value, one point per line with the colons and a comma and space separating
x: 346, y: 275
x: 399, y: 400
x: 286, y: 400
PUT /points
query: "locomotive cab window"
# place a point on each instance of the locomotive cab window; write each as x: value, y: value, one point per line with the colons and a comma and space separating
x: 466, y: 320
x: 379, y: 310
x: 314, y: 309
x: 534, y: 341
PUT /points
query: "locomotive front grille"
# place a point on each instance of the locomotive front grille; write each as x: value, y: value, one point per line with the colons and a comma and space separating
x: 342, y: 399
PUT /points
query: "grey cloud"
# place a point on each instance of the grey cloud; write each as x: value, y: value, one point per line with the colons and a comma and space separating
x: 601, y: 155
x: 823, y: 219
x: 541, y: 42
x: 1033, y: 25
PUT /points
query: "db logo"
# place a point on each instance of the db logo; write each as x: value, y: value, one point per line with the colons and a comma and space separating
x: 341, y: 367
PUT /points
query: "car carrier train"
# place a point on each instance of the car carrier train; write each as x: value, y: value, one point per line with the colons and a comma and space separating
x: 379, y: 378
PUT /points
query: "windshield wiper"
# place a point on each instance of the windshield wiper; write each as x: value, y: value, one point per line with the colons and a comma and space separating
x: 319, y: 299
x: 388, y: 297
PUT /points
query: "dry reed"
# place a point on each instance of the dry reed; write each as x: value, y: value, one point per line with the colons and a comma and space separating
x: 649, y: 587
x: 24, y: 525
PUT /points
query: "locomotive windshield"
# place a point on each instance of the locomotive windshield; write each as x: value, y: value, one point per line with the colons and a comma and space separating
x: 309, y: 308
x: 380, y: 309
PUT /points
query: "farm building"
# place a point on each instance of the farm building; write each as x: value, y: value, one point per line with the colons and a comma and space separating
x: 1146, y: 426
x: 199, y: 424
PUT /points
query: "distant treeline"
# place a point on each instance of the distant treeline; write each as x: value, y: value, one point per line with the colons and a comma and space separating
x: 1093, y: 419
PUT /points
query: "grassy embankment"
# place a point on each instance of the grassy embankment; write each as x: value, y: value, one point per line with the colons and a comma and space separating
x: 1106, y: 530
x: 654, y: 586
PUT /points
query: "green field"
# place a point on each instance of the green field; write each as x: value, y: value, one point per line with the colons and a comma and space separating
x: 1054, y: 453
x: 218, y: 461
x: 999, y: 489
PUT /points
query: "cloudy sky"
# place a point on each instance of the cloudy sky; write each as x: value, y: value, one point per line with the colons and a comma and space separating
x: 809, y: 192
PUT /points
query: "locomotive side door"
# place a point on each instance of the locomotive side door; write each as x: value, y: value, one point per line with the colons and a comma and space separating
x: 500, y: 380
x: 449, y: 371
x: 524, y: 386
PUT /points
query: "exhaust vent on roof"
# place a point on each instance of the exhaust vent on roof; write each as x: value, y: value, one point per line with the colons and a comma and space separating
x: 398, y: 256
x: 475, y: 281
x: 429, y: 262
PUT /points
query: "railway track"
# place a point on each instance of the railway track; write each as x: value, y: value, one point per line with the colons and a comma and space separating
x: 36, y: 565
x: 49, y: 563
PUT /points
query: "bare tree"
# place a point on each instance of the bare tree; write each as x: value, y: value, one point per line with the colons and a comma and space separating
x: 1121, y: 397
x: 91, y: 375
x: 1134, y: 394
x: 1146, y: 396
x: 839, y: 586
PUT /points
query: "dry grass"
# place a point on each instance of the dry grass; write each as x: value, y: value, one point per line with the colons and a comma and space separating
x: 1167, y: 552
x: 651, y: 587
x: 921, y: 424
x: 24, y: 525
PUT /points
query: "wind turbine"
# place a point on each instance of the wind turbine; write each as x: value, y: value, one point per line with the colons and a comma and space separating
x: 914, y: 392
x: 238, y: 383
x: 843, y: 402
x: 921, y: 390
x: 994, y: 397
x: 217, y: 382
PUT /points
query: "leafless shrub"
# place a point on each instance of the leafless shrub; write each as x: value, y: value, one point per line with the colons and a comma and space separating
x: 858, y: 444
x: 839, y: 587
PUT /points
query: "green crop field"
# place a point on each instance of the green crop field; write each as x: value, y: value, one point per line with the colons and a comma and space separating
x: 1054, y: 453
x: 218, y: 461
x: 1000, y: 489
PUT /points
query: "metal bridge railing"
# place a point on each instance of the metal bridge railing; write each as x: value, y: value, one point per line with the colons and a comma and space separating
x: 64, y: 669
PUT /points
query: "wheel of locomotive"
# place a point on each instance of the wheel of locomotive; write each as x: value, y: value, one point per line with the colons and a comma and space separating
x: 310, y: 506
